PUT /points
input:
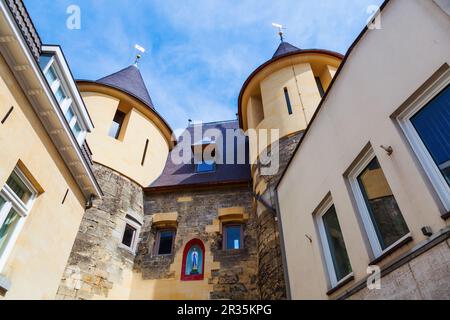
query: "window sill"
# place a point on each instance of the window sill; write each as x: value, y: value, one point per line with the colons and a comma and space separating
x: 341, y: 284
x: 406, y: 240
x: 128, y: 249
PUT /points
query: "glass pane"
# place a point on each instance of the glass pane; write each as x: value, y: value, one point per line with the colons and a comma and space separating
x: 2, y: 202
x: 51, y: 76
x: 76, y: 129
x: 433, y: 126
x: 336, y: 243
x: 7, y: 229
x: 19, y: 188
x: 166, y: 242
x: 384, y: 211
x: 233, y: 236
x: 69, y: 114
x: 60, y: 95
x: 206, y: 167
x: 128, y: 236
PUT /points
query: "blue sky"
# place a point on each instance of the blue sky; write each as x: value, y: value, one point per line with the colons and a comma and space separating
x: 199, y: 52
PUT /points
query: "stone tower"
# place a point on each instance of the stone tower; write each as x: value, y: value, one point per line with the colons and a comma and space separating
x: 201, y: 229
x: 282, y: 94
x: 129, y: 147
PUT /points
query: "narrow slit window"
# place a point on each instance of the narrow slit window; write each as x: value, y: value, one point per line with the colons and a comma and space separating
x: 288, y: 100
x: 145, y: 152
x: 117, y: 124
x: 320, y: 87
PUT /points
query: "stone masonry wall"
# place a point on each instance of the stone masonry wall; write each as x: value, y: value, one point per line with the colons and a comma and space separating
x: 426, y: 277
x: 97, y: 260
x: 271, y: 279
x: 197, y: 210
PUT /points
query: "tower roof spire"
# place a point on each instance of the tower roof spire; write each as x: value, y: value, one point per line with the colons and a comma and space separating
x: 140, y: 50
x: 280, y: 30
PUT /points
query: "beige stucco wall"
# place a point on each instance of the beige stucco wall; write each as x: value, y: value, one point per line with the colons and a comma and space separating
x: 385, y: 68
x: 125, y: 154
x: 39, y: 256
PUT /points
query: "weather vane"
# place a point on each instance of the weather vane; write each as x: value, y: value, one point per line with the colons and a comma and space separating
x: 280, y: 30
x: 140, y: 51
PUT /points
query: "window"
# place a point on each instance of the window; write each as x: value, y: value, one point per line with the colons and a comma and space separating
x: 320, y: 86
x: 335, y: 251
x: 383, y: 221
x: 164, y: 242
x: 193, y: 266
x: 427, y: 127
x: 233, y: 237
x: 65, y: 102
x: 131, y: 234
x: 117, y: 124
x: 288, y: 100
x: 16, y: 200
x: 128, y: 236
x: 206, y: 166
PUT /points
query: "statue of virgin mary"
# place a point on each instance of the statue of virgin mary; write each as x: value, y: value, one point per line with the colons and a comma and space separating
x: 194, y: 261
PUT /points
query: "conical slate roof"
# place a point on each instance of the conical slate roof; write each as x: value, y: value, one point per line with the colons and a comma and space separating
x: 284, y: 48
x: 129, y: 80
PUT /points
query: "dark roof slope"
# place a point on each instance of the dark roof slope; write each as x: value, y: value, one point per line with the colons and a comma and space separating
x: 284, y: 48
x: 129, y: 80
x: 176, y: 175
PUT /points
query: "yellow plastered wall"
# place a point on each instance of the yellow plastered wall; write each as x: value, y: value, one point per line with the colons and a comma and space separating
x: 125, y: 154
x: 37, y: 261
x: 265, y: 102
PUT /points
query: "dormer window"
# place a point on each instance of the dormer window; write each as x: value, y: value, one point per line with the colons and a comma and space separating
x: 206, y: 166
x: 205, y: 163
x: 65, y: 92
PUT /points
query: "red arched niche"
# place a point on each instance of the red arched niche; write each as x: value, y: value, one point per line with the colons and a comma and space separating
x: 187, y: 248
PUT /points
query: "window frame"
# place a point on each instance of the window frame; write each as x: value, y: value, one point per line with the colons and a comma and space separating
x: 419, y: 148
x: 326, y: 249
x: 158, y: 242
x: 134, y: 243
x: 225, y: 236
x: 363, y: 209
x: 67, y: 102
x: 12, y: 201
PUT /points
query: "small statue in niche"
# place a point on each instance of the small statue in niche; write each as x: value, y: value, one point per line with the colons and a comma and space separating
x: 194, y: 262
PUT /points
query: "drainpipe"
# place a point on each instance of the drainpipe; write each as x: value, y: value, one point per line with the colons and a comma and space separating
x: 90, y: 202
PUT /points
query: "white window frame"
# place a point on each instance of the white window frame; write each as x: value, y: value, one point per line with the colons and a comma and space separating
x: 329, y: 264
x: 433, y: 172
x: 23, y: 209
x: 135, y: 241
x: 364, y: 210
x: 66, y: 103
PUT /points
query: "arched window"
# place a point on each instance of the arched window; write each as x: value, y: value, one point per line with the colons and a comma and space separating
x: 193, y: 261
